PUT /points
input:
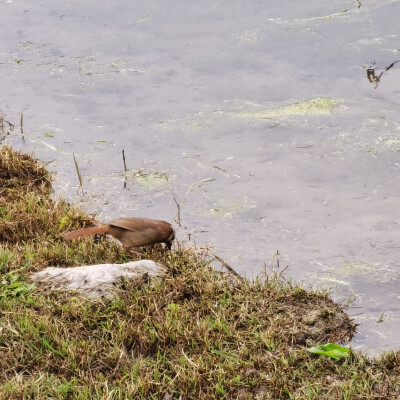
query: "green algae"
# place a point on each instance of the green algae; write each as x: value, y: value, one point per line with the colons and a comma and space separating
x: 148, y: 179
x: 314, y: 106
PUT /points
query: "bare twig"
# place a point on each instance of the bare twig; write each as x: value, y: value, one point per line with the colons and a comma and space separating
x: 276, y: 255
x: 224, y: 264
x: 10, y: 126
x: 123, y: 158
x: 78, y: 173
x: 126, y: 169
x: 22, y: 126
x: 195, y: 184
x: 178, y: 215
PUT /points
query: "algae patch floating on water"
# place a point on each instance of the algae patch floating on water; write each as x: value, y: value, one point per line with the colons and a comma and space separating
x: 148, y: 179
x: 207, y: 117
x: 314, y: 106
x: 225, y: 208
x: 364, y: 271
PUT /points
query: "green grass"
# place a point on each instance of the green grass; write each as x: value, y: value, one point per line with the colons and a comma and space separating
x: 195, y: 334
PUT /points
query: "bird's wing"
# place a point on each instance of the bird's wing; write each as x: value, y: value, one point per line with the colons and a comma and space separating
x: 134, y: 224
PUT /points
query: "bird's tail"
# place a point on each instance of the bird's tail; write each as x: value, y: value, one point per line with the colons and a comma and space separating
x: 84, y: 232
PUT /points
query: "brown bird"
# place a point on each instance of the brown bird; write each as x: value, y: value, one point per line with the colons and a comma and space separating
x: 131, y: 232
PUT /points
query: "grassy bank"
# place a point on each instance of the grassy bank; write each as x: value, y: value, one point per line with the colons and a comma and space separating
x: 195, y: 334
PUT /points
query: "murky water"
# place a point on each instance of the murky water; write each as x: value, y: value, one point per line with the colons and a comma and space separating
x: 290, y: 108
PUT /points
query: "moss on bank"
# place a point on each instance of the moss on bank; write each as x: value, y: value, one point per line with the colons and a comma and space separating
x: 197, y: 334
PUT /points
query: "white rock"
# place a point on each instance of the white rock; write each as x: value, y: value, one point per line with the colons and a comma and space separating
x: 97, y: 280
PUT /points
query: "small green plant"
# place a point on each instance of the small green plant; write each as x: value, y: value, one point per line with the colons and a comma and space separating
x: 331, y: 350
x: 13, y: 285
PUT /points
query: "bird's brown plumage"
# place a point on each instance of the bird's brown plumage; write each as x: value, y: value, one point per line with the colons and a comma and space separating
x: 131, y: 232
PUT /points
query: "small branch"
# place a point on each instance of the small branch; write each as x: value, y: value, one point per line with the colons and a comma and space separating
x: 79, y: 174
x: 277, y: 258
x: 224, y: 264
x: 126, y: 169
x: 123, y: 158
x: 3, y: 127
x: 178, y: 215
x: 196, y: 184
x: 22, y: 126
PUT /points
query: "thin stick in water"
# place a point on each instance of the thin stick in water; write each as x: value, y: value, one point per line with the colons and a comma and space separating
x: 196, y: 184
x: 22, y: 122
x: 126, y: 169
x: 22, y: 126
x: 78, y: 173
x: 123, y: 158
x: 178, y: 215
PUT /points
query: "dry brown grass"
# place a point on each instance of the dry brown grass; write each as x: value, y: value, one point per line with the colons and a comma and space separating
x: 26, y: 209
x: 20, y: 173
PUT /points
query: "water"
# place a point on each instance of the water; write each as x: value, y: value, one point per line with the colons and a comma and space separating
x: 193, y: 91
